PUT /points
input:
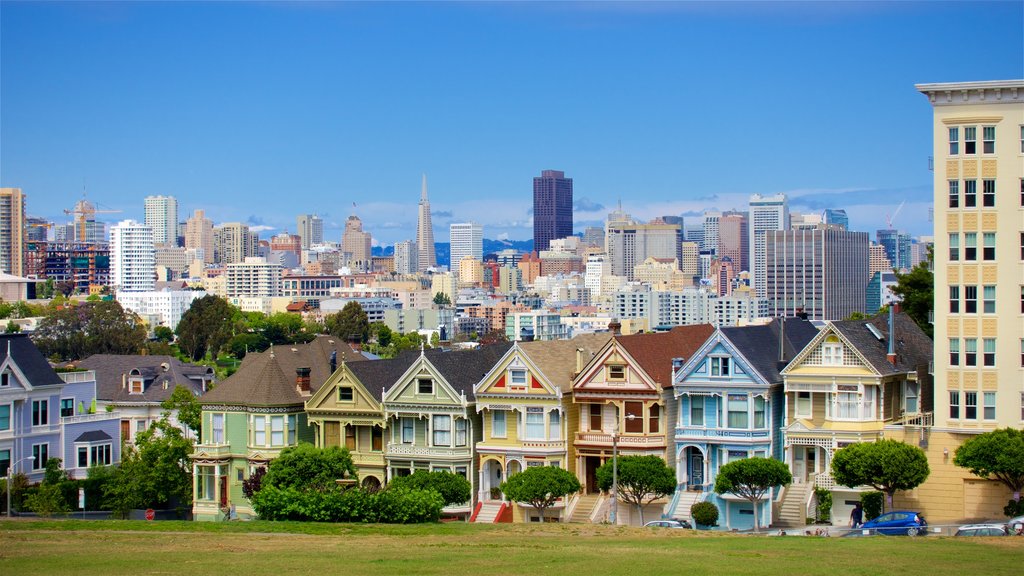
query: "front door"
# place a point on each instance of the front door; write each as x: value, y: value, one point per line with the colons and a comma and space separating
x: 812, y: 467
x: 126, y: 430
x: 592, y: 463
x: 696, y: 470
x: 799, y: 470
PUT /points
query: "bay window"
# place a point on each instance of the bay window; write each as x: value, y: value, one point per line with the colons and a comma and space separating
x: 737, y: 408
x: 442, y: 428
x: 534, y: 423
x: 554, y: 425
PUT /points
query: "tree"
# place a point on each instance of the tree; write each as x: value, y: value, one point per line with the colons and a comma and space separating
x: 887, y: 465
x: 540, y: 486
x: 997, y: 454
x: 189, y: 410
x: 163, y: 334
x: 254, y: 482
x: 454, y: 489
x: 205, y: 327
x: 751, y: 479
x: 76, y: 332
x: 350, y: 323
x: 916, y: 290
x: 155, y: 472
x: 382, y: 333
x: 306, y: 467
x: 49, y: 498
x: 642, y: 479
x: 442, y: 299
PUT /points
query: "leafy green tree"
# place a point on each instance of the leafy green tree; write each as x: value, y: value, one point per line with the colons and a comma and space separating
x: 886, y: 465
x: 916, y: 290
x: 190, y: 411
x: 998, y: 454
x: 163, y: 334
x: 76, y: 332
x: 540, y: 486
x: 6, y: 310
x: 442, y: 299
x: 306, y: 467
x: 351, y: 323
x: 49, y: 498
x: 751, y: 479
x: 154, y: 472
x: 242, y: 344
x: 642, y: 480
x: 382, y: 333
x: 454, y: 489
x: 206, y: 327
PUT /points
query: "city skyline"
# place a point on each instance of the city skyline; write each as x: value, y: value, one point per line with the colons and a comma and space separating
x: 352, y: 102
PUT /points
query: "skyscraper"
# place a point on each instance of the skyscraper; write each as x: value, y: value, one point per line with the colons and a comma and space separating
x: 897, y: 247
x: 766, y: 213
x: 426, y: 256
x: 629, y: 242
x: 467, y: 239
x: 12, y: 231
x: 132, y: 257
x: 233, y: 242
x: 709, y: 242
x: 733, y: 239
x: 310, y: 229
x: 162, y: 218
x: 199, y: 236
x: 405, y: 257
x: 357, y: 243
x: 552, y: 208
x: 836, y: 216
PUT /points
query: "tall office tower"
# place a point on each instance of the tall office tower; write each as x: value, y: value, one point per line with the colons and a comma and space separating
x: 878, y: 261
x: 12, y: 231
x: 690, y: 264
x: 897, y: 247
x: 357, y: 243
x: 823, y: 272
x: 979, y: 265
x: 709, y: 243
x: 310, y: 230
x: 733, y: 240
x: 199, y: 235
x: 132, y: 257
x: 426, y: 256
x: 629, y: 243
x: 467, y: 239
x: 836, y: 216
x: 405, y: 257
x: 36, y: 228
x: 766, y: 213
x: 552, y: 208
x: 594, y: 236
x: 233, y: 242
x: 162, y: 217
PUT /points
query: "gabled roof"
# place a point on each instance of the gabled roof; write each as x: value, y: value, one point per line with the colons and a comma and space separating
x: 113, y: 371
x: 378, y: 375
x: 463, y: 369
x: 29, y: 360
x: 654, y: 352
x: 913, y: 347
x: 557, y: 358
x: 760, y: 344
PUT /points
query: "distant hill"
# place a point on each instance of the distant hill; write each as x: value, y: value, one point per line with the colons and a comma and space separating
x: 443, y: 249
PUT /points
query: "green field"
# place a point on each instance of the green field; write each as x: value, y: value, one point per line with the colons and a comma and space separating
x: 111, y: 547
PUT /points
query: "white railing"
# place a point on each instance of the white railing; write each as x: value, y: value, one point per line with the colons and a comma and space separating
x: 97, y: 417
x: 923, y: 419
x: 600, y: 511
x: 545, y: 444
x: 625, y: 441
x: 700, y: 432
x: 76, y: 377
x: 825, y: 481
x: 412, y: 450
x: 570, y: 506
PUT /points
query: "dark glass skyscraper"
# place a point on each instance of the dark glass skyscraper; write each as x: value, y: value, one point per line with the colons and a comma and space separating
x: 552, y: 208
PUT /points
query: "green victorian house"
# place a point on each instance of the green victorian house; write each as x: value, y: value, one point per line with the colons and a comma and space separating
x: 254, y: 414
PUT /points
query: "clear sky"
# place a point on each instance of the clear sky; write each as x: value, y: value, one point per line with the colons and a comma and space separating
x: 260, y: 111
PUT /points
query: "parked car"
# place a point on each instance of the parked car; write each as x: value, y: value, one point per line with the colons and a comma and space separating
x: 668, y: 524
x: 898, y: 522
x: 988, y: 529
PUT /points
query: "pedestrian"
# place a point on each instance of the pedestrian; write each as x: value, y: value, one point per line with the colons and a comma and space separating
x: 857, y: 516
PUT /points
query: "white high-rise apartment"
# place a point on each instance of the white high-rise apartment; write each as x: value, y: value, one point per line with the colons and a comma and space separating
x: 254, y: 277
x: 310, y: 229
x: 405, y: 257
x: 467, y: 239
x: 709, y: 243
x: 766, y: 213
x: 162, y: 218
x: 132, y: 257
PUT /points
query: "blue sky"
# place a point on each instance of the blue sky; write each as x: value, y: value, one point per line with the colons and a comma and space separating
x: 260, y: 111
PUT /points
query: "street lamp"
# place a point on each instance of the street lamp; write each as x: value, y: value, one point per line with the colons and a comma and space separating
x: 10, y: 480
x: 614, y: 512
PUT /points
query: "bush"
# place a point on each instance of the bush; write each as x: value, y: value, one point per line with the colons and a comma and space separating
x: 872, y: 502
x: 19, y: 489
x: 47, y: 500
x: 1014, y: 508
x: 704, y: 513
x: 824, y: 508
x: 454, y: 489
x: 391, y: 506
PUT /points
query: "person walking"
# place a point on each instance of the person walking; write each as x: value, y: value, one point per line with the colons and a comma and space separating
x: 857, y: 516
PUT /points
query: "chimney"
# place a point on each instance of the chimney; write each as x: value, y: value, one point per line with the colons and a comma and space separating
x: 302, y: 380
x: 615, y: 327
x: 782, y: 339
x: 579, y: 360
x: 891, y: 356
x: 334, y: 361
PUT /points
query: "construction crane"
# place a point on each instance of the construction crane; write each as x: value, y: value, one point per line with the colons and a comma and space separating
x: 84, y: 211
x: 890, y: 217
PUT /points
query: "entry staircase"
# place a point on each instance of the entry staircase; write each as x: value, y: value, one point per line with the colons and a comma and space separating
x: 488, y: 512
x: 793, y: 510
x: 584, y: 507
x: 683, y: 501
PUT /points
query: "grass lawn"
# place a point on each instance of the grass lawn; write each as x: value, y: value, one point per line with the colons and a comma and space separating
x: 116, y: 547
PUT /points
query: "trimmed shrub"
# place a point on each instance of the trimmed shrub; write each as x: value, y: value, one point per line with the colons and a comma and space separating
x: 392, y: 506
x: 872, y: 502
x: 704, y: 513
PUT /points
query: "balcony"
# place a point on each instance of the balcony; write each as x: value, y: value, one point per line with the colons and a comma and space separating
x: 402, y: 450
x: 97, y: 417
x: 604, y: 439
x: 701, y: 432
x: 543, y: 444
x: 76, y: 377
x: 211, y: 451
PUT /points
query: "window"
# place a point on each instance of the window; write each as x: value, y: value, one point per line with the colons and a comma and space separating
x: 988, y: 299
x: 988, y: 193
x: 970, y: 246
x: 954, y: 351
x: 954, y: 193
x: 5, y: 460
x: 98, y: 455
x: 67, y: 407
x: 990, y: 406
x: 217, y: 432
x: 408, y: 430
x: 376, y: 438
x: 259, y: 427
x: 5, y: 380
x: 988, y: 139
x: 970, y: 139
x: 635, y: 417
x: 554, y: 425
x: 954, y: 404
x: 847, y: 404
x: 5, y: 420
x: 517, y: 378
x: 719, y: 365
x: 498, y: 427
x: 989, y: 250
x: 136, y: 386
x: 350, y: 437
x: 970, y: 193
x: 971, y: 405
x: 534, y: 423
x: 803, y: 404
x: 954, y: 299
x: 425, y: 386
x: 1022, y: 352
x: 738, y: 411
x: 759, y: 409
x: 832, y: 351
x: 40, y: 454
x: 654, y: 417
x: 461, y: 432
x: 442, y: 427
x: 989, y: 352
x: 1022, y: 152
x: 970, y: 351
x: 140, y: 426
x: 970, y: 299
x: 345, y: 394
x: 277, y: 430
x: 595, y: 417
x: 40, y: 412
x: 1022, y: 243
x: 954, y: 247
x: 696, y: 411
x: 291, y: 430
x: 954, y: 141
x: 617, y: 372
x: 83, y: 456
x: 910, y: 395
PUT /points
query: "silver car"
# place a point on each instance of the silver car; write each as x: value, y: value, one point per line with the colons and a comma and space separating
x: 991, y: 529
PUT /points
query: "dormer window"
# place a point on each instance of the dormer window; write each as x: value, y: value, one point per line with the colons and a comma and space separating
x: 517, y: 378
x: 616, y: 372
x: 720, y: 366
x: 345, y: 394
x: 135, y: 386
x: 5, y: 379
x: 425, y: 386
x: 832, y: 351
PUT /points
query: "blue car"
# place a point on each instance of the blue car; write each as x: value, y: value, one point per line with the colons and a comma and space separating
x: 898, y: 522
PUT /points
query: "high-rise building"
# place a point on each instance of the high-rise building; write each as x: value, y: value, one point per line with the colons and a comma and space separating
x: 629, y: 243
x: 426, y: 256
x: 552, y: 208
x: 467, y: 239
x: 836, y: 216
x: 199, y: 236
x: 594, y: 236
x: 709, y: 241
x: 897, y: 247
x: 233, y: 242
x: 823, y: 272
x: 132, y: 257
x: 253, y: 277
x: 162, y: 218
x: 405, y: 257
x: 766, y: 213
x: 310, y: 229
x: 877, y: 259
x: 36, y: 229
x: 12, y: 231
x: 733, y: 240
x: 358, y: 243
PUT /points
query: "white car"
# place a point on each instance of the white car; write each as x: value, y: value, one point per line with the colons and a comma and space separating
x: 668, y: 524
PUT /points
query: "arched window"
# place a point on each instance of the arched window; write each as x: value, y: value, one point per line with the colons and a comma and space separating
x: 832, y: 351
